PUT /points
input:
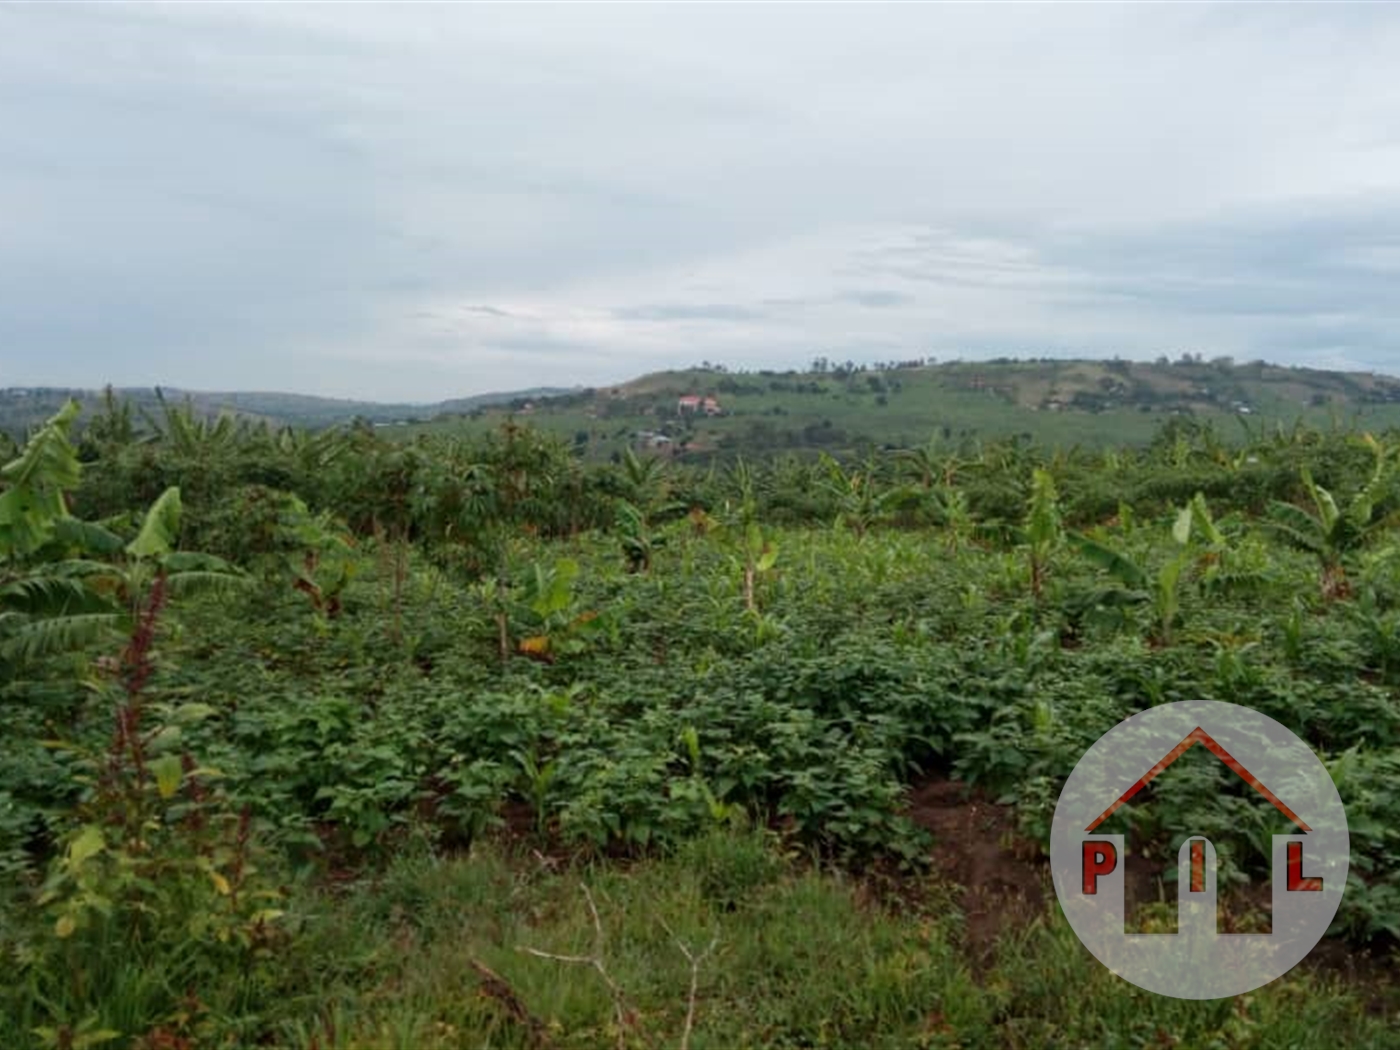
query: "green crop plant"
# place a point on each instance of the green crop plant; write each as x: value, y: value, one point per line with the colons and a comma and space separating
x: 1332, y: 533
x: 857, y: 495
x: 548, y: 613
x: 1042, y: 531
x: 1140, y: 584
x: 755, y: 735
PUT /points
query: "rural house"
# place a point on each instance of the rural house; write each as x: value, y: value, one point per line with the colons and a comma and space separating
x: 695, y: 403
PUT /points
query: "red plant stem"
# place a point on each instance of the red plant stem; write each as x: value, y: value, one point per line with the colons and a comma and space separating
x: 245, y: 827
x: 127, y: 742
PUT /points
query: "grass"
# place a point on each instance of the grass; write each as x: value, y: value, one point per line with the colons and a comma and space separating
x: 801, y: 957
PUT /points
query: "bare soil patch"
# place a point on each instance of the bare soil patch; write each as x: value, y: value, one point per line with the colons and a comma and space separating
x: 1003, y: 875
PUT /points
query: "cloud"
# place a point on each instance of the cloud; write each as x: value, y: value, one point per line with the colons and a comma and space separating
x: 412, y: 202
x: 690, y: 312
x: 876, y: 299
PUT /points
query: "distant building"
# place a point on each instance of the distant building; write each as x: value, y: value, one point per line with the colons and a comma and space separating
x: 695, y: 403
x: 650, y: 439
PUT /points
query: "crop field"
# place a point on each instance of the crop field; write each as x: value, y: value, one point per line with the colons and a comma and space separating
x: 329, y: 741
x: 847, y: 408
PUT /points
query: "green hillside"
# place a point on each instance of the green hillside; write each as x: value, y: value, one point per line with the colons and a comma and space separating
x: 840, y: 409
x: 23, y: 408
x: 835, y: 408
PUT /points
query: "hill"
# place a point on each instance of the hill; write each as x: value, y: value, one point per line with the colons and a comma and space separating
x: 841, y: 408
x: 838, y: 408
x: 22, y: 408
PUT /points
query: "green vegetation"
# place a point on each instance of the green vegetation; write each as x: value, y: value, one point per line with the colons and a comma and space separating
x: 847, y: 409
x: 22, y: 408
x: 331, y: 741
x: 842, y: 409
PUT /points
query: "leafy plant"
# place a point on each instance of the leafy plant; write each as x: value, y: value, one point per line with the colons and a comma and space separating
x: 1043, y: 531
x: 1331, y: 533
x: 639, y: 540
x: 1139, y: 584
x: 548, y: 608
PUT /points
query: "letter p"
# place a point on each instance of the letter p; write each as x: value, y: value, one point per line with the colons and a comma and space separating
x: 1100, y: 858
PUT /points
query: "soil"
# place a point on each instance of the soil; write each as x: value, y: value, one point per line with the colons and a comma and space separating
x: 1004, y: 877
x: 519, y: 818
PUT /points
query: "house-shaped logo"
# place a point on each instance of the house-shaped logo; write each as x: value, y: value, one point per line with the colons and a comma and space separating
x: 1309, y: 861
x: 1100, y: 856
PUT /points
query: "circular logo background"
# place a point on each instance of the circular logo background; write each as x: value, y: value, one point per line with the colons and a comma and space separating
x: 1310, y: 853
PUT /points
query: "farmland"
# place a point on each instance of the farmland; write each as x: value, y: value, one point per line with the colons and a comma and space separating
x: 844, y: 409
x: 466, y: 739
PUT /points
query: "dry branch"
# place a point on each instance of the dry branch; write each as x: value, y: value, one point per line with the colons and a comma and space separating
x: 496, y: 987
x: 695, y: 962
x: 625, y: 1016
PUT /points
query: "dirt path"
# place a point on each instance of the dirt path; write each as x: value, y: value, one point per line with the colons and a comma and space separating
x: 1005, y: 880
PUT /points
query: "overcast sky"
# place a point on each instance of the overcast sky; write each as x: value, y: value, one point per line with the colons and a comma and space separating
x: 418, y: 202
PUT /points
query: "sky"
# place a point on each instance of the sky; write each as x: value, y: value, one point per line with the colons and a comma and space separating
x: 420, y: 201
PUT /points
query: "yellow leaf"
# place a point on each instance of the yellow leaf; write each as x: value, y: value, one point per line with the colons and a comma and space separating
x: 538, y: 643
x: 65, y: 926
x: 168, y: 774
x: 220, y: 883
x: 89, y: 843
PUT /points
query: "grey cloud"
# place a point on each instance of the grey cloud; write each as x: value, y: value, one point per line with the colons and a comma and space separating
x: 690, y: 312
x: 875, y: 299
x: 402, y: 201
x: 1286, y: 265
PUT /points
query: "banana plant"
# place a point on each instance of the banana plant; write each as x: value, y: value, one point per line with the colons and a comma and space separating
x: 755, y: 553
x: 1224, y: 561
x: 538, y: 777
x: 931, y: 464
x: 759, y: 554
x: 956, y: 517
x: 639, y: 540
x: 1332, y: 533
x: 324, y: 565
x: 549, y: 608
x: 1137, y: 583
x: 153, y: 554
x: 648, y: 495
x: 66, y: 583
x: 32, y: 505
x: 860, y: 502
x: 47, y: 604
x: 1043, y: 530
x: 647, y: 480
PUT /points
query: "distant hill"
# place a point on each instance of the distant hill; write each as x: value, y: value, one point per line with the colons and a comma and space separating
x: 839, y: 408
x: 22, y: 408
